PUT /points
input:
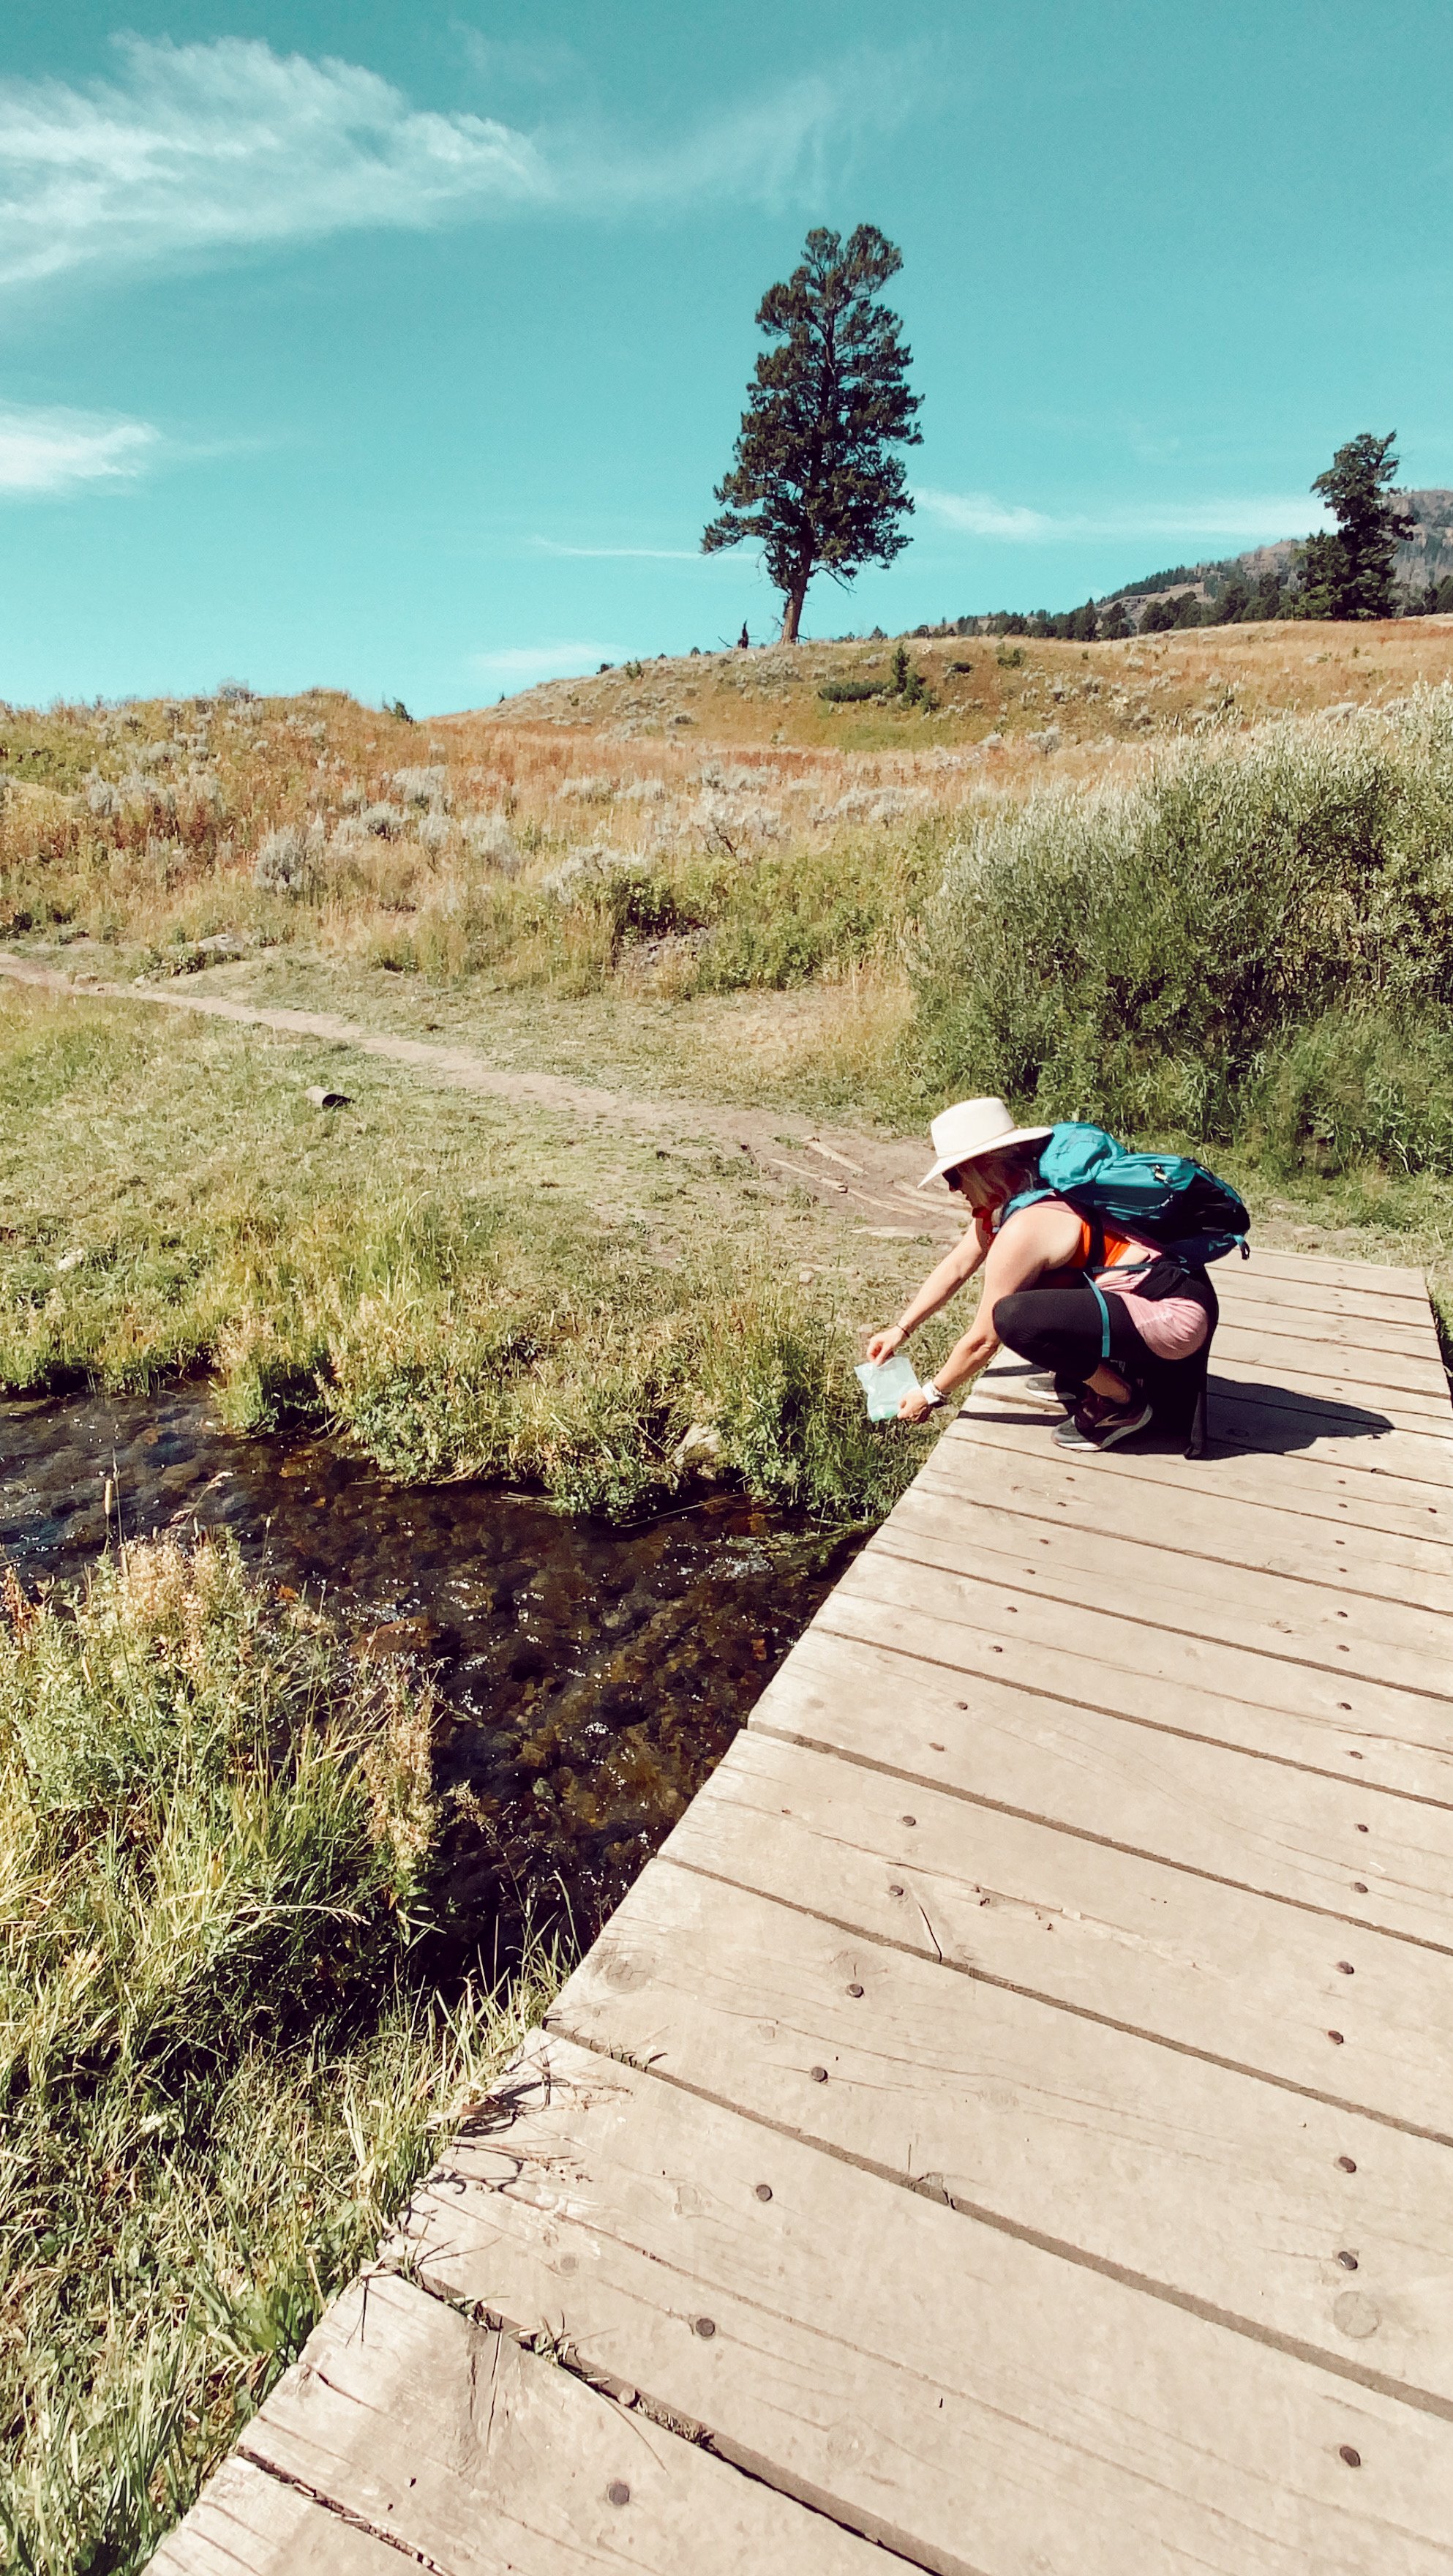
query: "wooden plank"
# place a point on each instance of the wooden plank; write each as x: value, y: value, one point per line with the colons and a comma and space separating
x: 1227, y: 2192
x: 1289, y: 1483
x: 1343, y: 1631
x: 1302, y: 1306
x: 964, y: 2397
x: 1260, y: 1423
x: 1294, y: 1834
x: 1362, y: 1389
x: 481, y: 2457
x: 1193, y: 1962
x: 1318, y: 1297
x: 1374, y: 1565
x: 1255, y: 1414
x: 1412, y: 1338
x: 1366, y: 1406
x: 1176, y: 1685
x: 245, y: 2524
x: 1340, y: 1365
x: 1324, y: 1269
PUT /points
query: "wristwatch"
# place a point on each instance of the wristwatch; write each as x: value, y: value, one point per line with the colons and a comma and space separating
x: 932, y: 1394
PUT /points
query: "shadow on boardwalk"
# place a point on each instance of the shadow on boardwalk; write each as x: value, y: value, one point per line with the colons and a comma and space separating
x: 1245, y: 1417
x: 1259, y: 1415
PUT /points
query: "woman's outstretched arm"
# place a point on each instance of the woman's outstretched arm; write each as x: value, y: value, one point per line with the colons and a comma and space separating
x: 1047, y: 1236
x: 954, y: 1272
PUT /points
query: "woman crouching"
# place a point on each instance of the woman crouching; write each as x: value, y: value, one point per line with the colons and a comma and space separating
x: 1116, y: 1329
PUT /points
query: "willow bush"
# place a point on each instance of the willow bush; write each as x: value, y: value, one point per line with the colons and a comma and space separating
x: 1256, y: 938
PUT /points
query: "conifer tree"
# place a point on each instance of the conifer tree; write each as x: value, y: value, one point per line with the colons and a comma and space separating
x: 1351, y: 574
x: 814, y: 478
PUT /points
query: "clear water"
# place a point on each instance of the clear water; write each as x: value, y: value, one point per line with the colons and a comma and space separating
x: 591, y: 1677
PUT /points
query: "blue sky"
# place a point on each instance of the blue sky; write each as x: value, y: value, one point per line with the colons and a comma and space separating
x: 398, y: 347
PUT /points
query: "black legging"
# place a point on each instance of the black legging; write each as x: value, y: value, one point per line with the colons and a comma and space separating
x: 1063, y: 1329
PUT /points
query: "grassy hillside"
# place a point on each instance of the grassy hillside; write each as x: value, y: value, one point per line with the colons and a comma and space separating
x: 1196, y: 887
x: 1095, y: 696
x: 704, y: 824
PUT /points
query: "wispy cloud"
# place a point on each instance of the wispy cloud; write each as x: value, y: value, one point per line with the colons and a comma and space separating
x: 46, y: 451
x: 195, y: 148
x: 623, y: 554
x: 525, y: 662
x: 978, y: 514
x: 1259, y: 516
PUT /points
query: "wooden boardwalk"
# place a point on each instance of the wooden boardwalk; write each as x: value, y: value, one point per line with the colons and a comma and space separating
x: 1011, y: 2122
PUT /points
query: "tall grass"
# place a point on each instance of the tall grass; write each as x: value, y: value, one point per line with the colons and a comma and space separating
x: 161, y: 829
x: 1256, y: 938
x: 220, y: 2077
x: 437, y: 1280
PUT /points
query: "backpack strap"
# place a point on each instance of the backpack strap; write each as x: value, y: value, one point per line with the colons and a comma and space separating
x: 1099, y: 1298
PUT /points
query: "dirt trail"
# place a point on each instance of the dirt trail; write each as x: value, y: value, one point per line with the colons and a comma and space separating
x: 868, y: 1178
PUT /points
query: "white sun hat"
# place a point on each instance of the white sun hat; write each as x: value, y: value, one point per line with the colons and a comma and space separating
x: 974, y: 1127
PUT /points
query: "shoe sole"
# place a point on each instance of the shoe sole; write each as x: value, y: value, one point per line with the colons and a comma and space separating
x: 1122, y: 1431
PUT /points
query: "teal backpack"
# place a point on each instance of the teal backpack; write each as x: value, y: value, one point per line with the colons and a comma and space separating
x: 1164, y: 1200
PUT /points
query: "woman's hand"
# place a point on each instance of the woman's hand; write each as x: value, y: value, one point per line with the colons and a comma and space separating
x: 883, y: 1345
x: 915, y: 1407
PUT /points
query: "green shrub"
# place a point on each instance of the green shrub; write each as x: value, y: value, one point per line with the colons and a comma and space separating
x: 790, y: 1416
x: 590, y: 1395
x: 1354, y: 1086
x: 782, y: 918
x: 641, y: 904
x: 1140, y: 954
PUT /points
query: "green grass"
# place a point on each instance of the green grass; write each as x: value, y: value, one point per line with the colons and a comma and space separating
x: 461, y: 1287
x: 221, y: 2073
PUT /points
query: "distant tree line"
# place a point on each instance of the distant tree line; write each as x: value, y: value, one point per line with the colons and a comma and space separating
x: 1345, y: 572
x: 1238, y: 602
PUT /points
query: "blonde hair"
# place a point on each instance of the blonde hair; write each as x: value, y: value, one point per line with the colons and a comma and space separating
x: 988, y: 1181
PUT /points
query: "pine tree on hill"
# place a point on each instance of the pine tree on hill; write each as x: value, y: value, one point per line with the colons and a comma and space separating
x: 1351, y: 574
x: 814, y: 478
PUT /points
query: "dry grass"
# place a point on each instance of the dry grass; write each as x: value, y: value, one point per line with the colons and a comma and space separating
x: 766, y: 705
x: 698, y: 825
x: 728, y: 905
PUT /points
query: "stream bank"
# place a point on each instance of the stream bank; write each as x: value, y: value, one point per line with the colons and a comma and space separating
x: 590, y: 1676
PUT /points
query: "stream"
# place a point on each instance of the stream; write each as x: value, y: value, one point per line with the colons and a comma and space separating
x: 591, y: 1677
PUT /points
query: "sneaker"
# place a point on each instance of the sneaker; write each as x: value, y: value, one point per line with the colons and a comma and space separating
x: 1098, y: 1422
x: 1038, y: 1394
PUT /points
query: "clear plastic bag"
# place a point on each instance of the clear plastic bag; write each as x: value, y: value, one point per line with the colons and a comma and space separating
x: 885, y: 1384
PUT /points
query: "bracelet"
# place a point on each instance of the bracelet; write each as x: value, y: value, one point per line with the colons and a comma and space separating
x: 932, y: 1394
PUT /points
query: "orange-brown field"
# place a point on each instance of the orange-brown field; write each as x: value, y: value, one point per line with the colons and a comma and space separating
x: 1096, y: 696
x: 176, y: 835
